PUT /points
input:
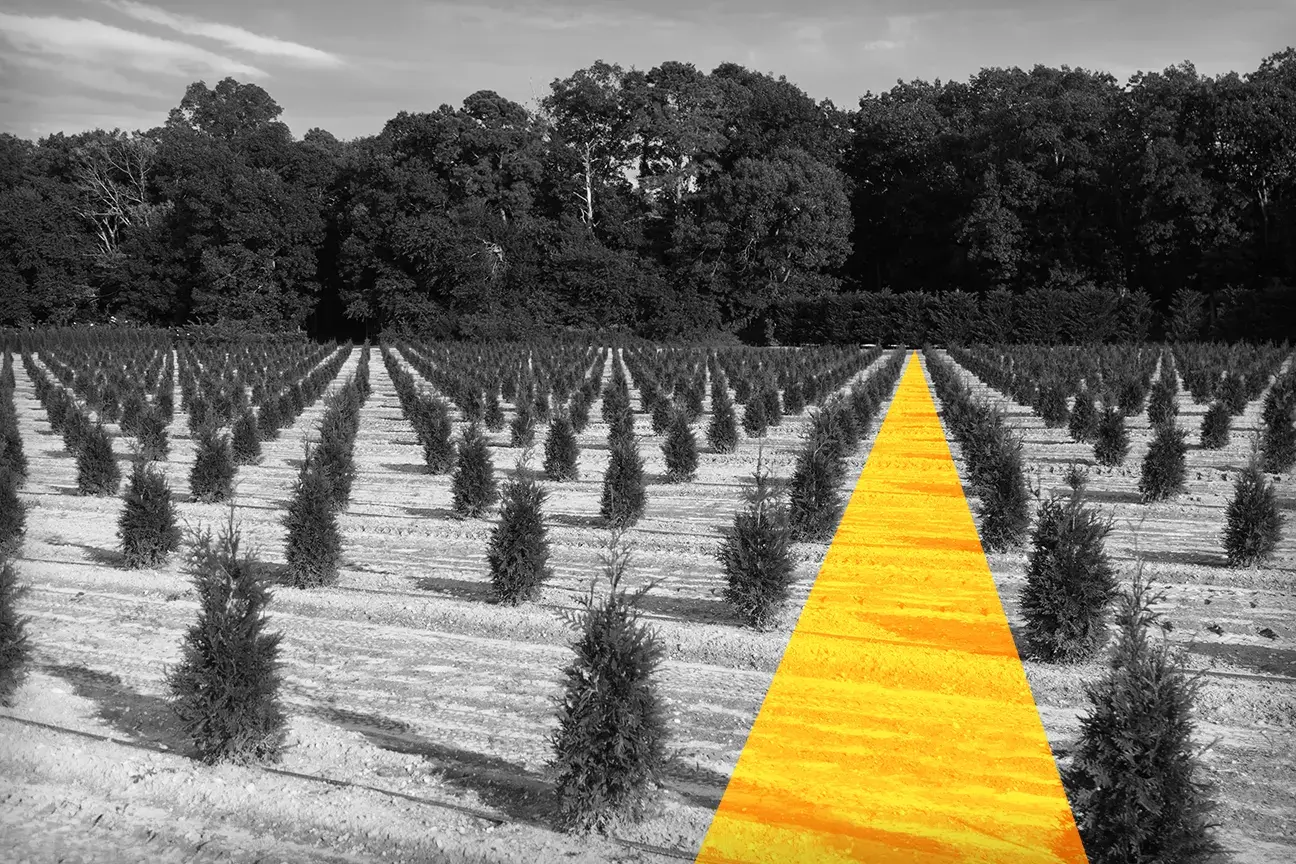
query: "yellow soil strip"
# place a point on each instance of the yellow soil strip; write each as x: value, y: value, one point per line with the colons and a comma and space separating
x: 900, y: 726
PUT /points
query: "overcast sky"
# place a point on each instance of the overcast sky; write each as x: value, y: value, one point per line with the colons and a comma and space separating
x: 71, y: 65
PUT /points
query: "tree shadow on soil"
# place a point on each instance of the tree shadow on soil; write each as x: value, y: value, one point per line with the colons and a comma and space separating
x: 144, y: 718
x: 1113, y: 496
x: 692, y: 610
x: 503, y: 786
x: 1258, y: 659
x: 461, y: 589
x: 105, y: 557
x: 405, y: 468
x: 1191, y: 559
x: 431, y: 513
x: 60, y: 453
x: 574, y: 520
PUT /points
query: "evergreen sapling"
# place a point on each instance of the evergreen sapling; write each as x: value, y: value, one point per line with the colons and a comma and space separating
x: 225, y: 690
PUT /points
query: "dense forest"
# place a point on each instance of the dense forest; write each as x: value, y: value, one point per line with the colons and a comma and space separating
x: 667, y: 203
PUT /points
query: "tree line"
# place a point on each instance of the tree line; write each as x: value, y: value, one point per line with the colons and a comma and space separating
x: 666, y: 203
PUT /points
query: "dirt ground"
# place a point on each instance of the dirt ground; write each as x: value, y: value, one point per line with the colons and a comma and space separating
x: 1237, y: 626
x: 407, y: 680
x: 405, y: 677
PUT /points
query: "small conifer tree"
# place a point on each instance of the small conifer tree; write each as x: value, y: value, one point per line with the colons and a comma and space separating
x: 610, y: 744
x: 1082, y: 425
x: 755, y: 421
x: 13, y: 513
x: 580, y: 412
x: 1003, y: 503
x: 814, y: 497
x: 154, y: 445
x: 1051, y: 405
x: 755, y: 553
x: 1278, y: 440
x: 147, y: 525
x: 1232, y: 393
x: 680, y: 450
x: 493, y: 413
x: 1253, y: 522
x: 97, y: 471
x: 561, y: 451
x: 1215, y: 427
x: 269, y: 420
x: 624, y: 496
x: 1135, y: 782
x: 244, y: 439
x: 793, y: 399
x: 519, y: 550
x: 1070, y: 581
x: 1162, y: 405
x: 1164, y: 468
x: 474, y: 489
x: 522, y: 429
x: 225, y: 689
x: 211, y: 480
x: 1111, y: 441
x: 436, y: 430
x: 313, y: 547
x: 722, y: 431
x: 15, y: 646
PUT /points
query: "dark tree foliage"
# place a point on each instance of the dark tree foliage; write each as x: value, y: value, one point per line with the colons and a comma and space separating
x: 610, y: 745
x: 1162, y: 405
x: 755, y: 553
x: 1051, y: 405
x: 147, y: 526
x: 579, y: 411
x: 269, y: 420
x: 755, y: 418
x: 1232, y: 393
x: 13, y: 512
x: 1111, y: 440
x: 1278, y: 438
x: 1070, y: 581
x: 518, y: 553
x: 523, y: 428
x: 473, y: 484
x: 97, y: 471
x: 1215, y: 427
x: 1136, y: 780
x: 680, y: 450
x: 211, y: 480
x: 561, y: 451
x: 245, y: 440
x: 1164, y: 468
x: 722, y: 431
x: 793, y: 399
x: 225, y: 689
x: 814, y: 496
x: 15, y: 646
x: 493, y: 413
x: 1082, y: 424
x: 313, y: 547
x: 624, y: 493
x: 154, y: 443
x: 436, y: 435
x: 1253, y: 522
x: 1004, y: 500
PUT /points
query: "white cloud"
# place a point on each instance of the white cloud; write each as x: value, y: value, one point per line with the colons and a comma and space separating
x: 234, y: 37
x: 92, y: 44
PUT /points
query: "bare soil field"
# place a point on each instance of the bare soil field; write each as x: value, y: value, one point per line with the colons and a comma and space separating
x: 1238, y: 626
x: 404, y: 677
x: 430, y: 706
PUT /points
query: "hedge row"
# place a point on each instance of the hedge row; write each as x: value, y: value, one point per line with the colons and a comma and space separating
x: 1044, y: 316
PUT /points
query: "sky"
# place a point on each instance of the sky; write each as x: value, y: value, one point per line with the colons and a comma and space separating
x: 73, y: 65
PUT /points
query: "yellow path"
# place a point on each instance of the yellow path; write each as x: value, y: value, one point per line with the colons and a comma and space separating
x: 900, y: 726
